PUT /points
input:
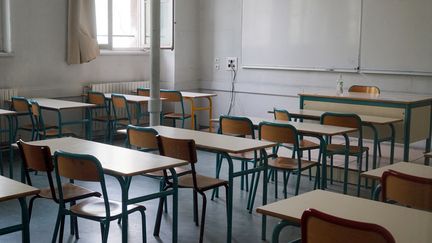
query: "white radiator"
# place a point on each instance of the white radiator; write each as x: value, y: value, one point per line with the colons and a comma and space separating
x: 120, y: 88
x: 5, y: 98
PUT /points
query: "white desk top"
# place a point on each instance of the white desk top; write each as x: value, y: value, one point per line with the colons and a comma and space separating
x: 403, y: 167
x: 132, y: 98
x: 193, y: 95
x: 214, y: 142
x: 403, y: 98
x: 304, y: 127
x: 7, y: 112
x: 115, y: 160
x: 316, y: 115
x: 405, y: 224
x: 55, y: 104
x: 10, y: 189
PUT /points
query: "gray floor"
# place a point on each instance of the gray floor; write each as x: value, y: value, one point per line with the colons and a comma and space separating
x: 246, y: 227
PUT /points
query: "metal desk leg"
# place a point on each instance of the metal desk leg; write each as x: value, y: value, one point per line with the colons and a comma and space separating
x: 11, y: 152
x: 278, y: 228
x: 125, y: 196
x: 407, y: 127
x: 60, y: 123
x: 264, y: 158
x: 392, y: 142
x: 210, y: 109
x: 230, y: 195
x: 89, y: 124
x: 25, y: 221
x: 175, y: 205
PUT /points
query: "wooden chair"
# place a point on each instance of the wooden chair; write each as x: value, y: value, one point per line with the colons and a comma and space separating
x: 351, y: 121
x: 185, y: 149
x: 43, y: 131
x: 87, y: 168
x: 38, y: 158
x: 120, y: 106
x: 102, y: 111
x: 286, y: 134
x: 319, y: 227
x: 407, y: 190
x: 304, y: 145
x: 23, y: 107
x: 364, y: 89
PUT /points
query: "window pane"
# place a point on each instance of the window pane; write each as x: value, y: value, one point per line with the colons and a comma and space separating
x: 166, y: 23
x: 102, y: 21
x: 126, y: 23
x: 1, y: 26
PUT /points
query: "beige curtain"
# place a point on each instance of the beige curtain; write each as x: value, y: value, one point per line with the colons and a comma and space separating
x: 82, y: 43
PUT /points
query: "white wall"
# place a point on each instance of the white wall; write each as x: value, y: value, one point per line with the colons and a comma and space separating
x: 220, y: 37
x: 38, y: 67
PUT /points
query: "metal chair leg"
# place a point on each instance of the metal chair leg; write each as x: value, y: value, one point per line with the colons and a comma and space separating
x: 203, y: 213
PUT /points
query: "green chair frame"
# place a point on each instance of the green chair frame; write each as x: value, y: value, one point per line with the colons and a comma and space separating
x: 346, y: 151
x: 86, y: 162
x: 102, y: 104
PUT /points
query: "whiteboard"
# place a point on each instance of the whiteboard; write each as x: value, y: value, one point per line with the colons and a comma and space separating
x: 301, y: 34
x: 397, y: 36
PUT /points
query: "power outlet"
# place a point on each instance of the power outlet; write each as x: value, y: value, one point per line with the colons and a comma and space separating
x: 231, y: 63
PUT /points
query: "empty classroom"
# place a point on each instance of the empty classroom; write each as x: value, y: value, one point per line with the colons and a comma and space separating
x: 215, y: 121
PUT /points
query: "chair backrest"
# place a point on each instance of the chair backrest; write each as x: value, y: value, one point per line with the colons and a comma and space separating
x: 236, y: 125
x: 80, y: 167
x: 280, y: 114
x: 119, y: 102
x: 37, y: 158
x: 319, y: 227
x: 21, y: 104
x: 171, y: 95
x: 364, y: 89
x: 144, y: 138
x: 143, y: 92
x: 37, y: 117
x: 183, y: 149
x: 407, y: 190
x: 279, y: 133
x: 341, y: 120
x: 96, y: 98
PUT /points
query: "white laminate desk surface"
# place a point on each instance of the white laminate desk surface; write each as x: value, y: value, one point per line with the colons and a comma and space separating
x: 403, y: 167
x: 132, y: 98
x: 60, y: 104
x: 10, y: 189
x: 7, y: 112
x: 187, y: 94
x: 405, y: 224
x: 213, y: 141
x: 115, y: 160
x: 403, y: 98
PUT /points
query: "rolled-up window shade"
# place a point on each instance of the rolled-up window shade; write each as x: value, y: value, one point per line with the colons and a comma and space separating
x: 82, y: 43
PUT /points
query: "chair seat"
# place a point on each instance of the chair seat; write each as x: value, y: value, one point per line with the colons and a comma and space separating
x: 70, y: 192
x: 29, y: 127
x: 340, y: 148
x: 203, y: 182
x: 105, y: 118
x: 284, y: 163
x: 250, y: 155
x: 51, y: 132
x: 95, y: 207
x: 307, y: 144
x: 125, y: 122
x: 176, y: 116
x: 179, y: 171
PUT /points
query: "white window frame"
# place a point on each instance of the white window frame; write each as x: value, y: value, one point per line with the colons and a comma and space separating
x: 109, y: 47
x: 6, y: 48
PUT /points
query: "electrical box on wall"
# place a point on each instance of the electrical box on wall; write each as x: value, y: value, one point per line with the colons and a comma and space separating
x: 231, y: 63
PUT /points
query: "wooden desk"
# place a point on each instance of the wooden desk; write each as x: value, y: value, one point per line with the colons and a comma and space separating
x: 191, y: 96
x: 405, y: 224
x: 60, y: 105
x: 223, y: 145
x: 11, y: 137
x: 404, y: 167
x: 315, y: 130
x: 9, y: 190
x: 415, y: 110
x: 123, y: 163
x: 367, y: 120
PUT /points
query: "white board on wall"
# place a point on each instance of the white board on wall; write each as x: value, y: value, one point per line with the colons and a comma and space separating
x: 301, y: 34
x: 397, y: 36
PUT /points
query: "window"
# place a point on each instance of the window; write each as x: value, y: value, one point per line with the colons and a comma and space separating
x: 125, y: 24
x: 5, y: 41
